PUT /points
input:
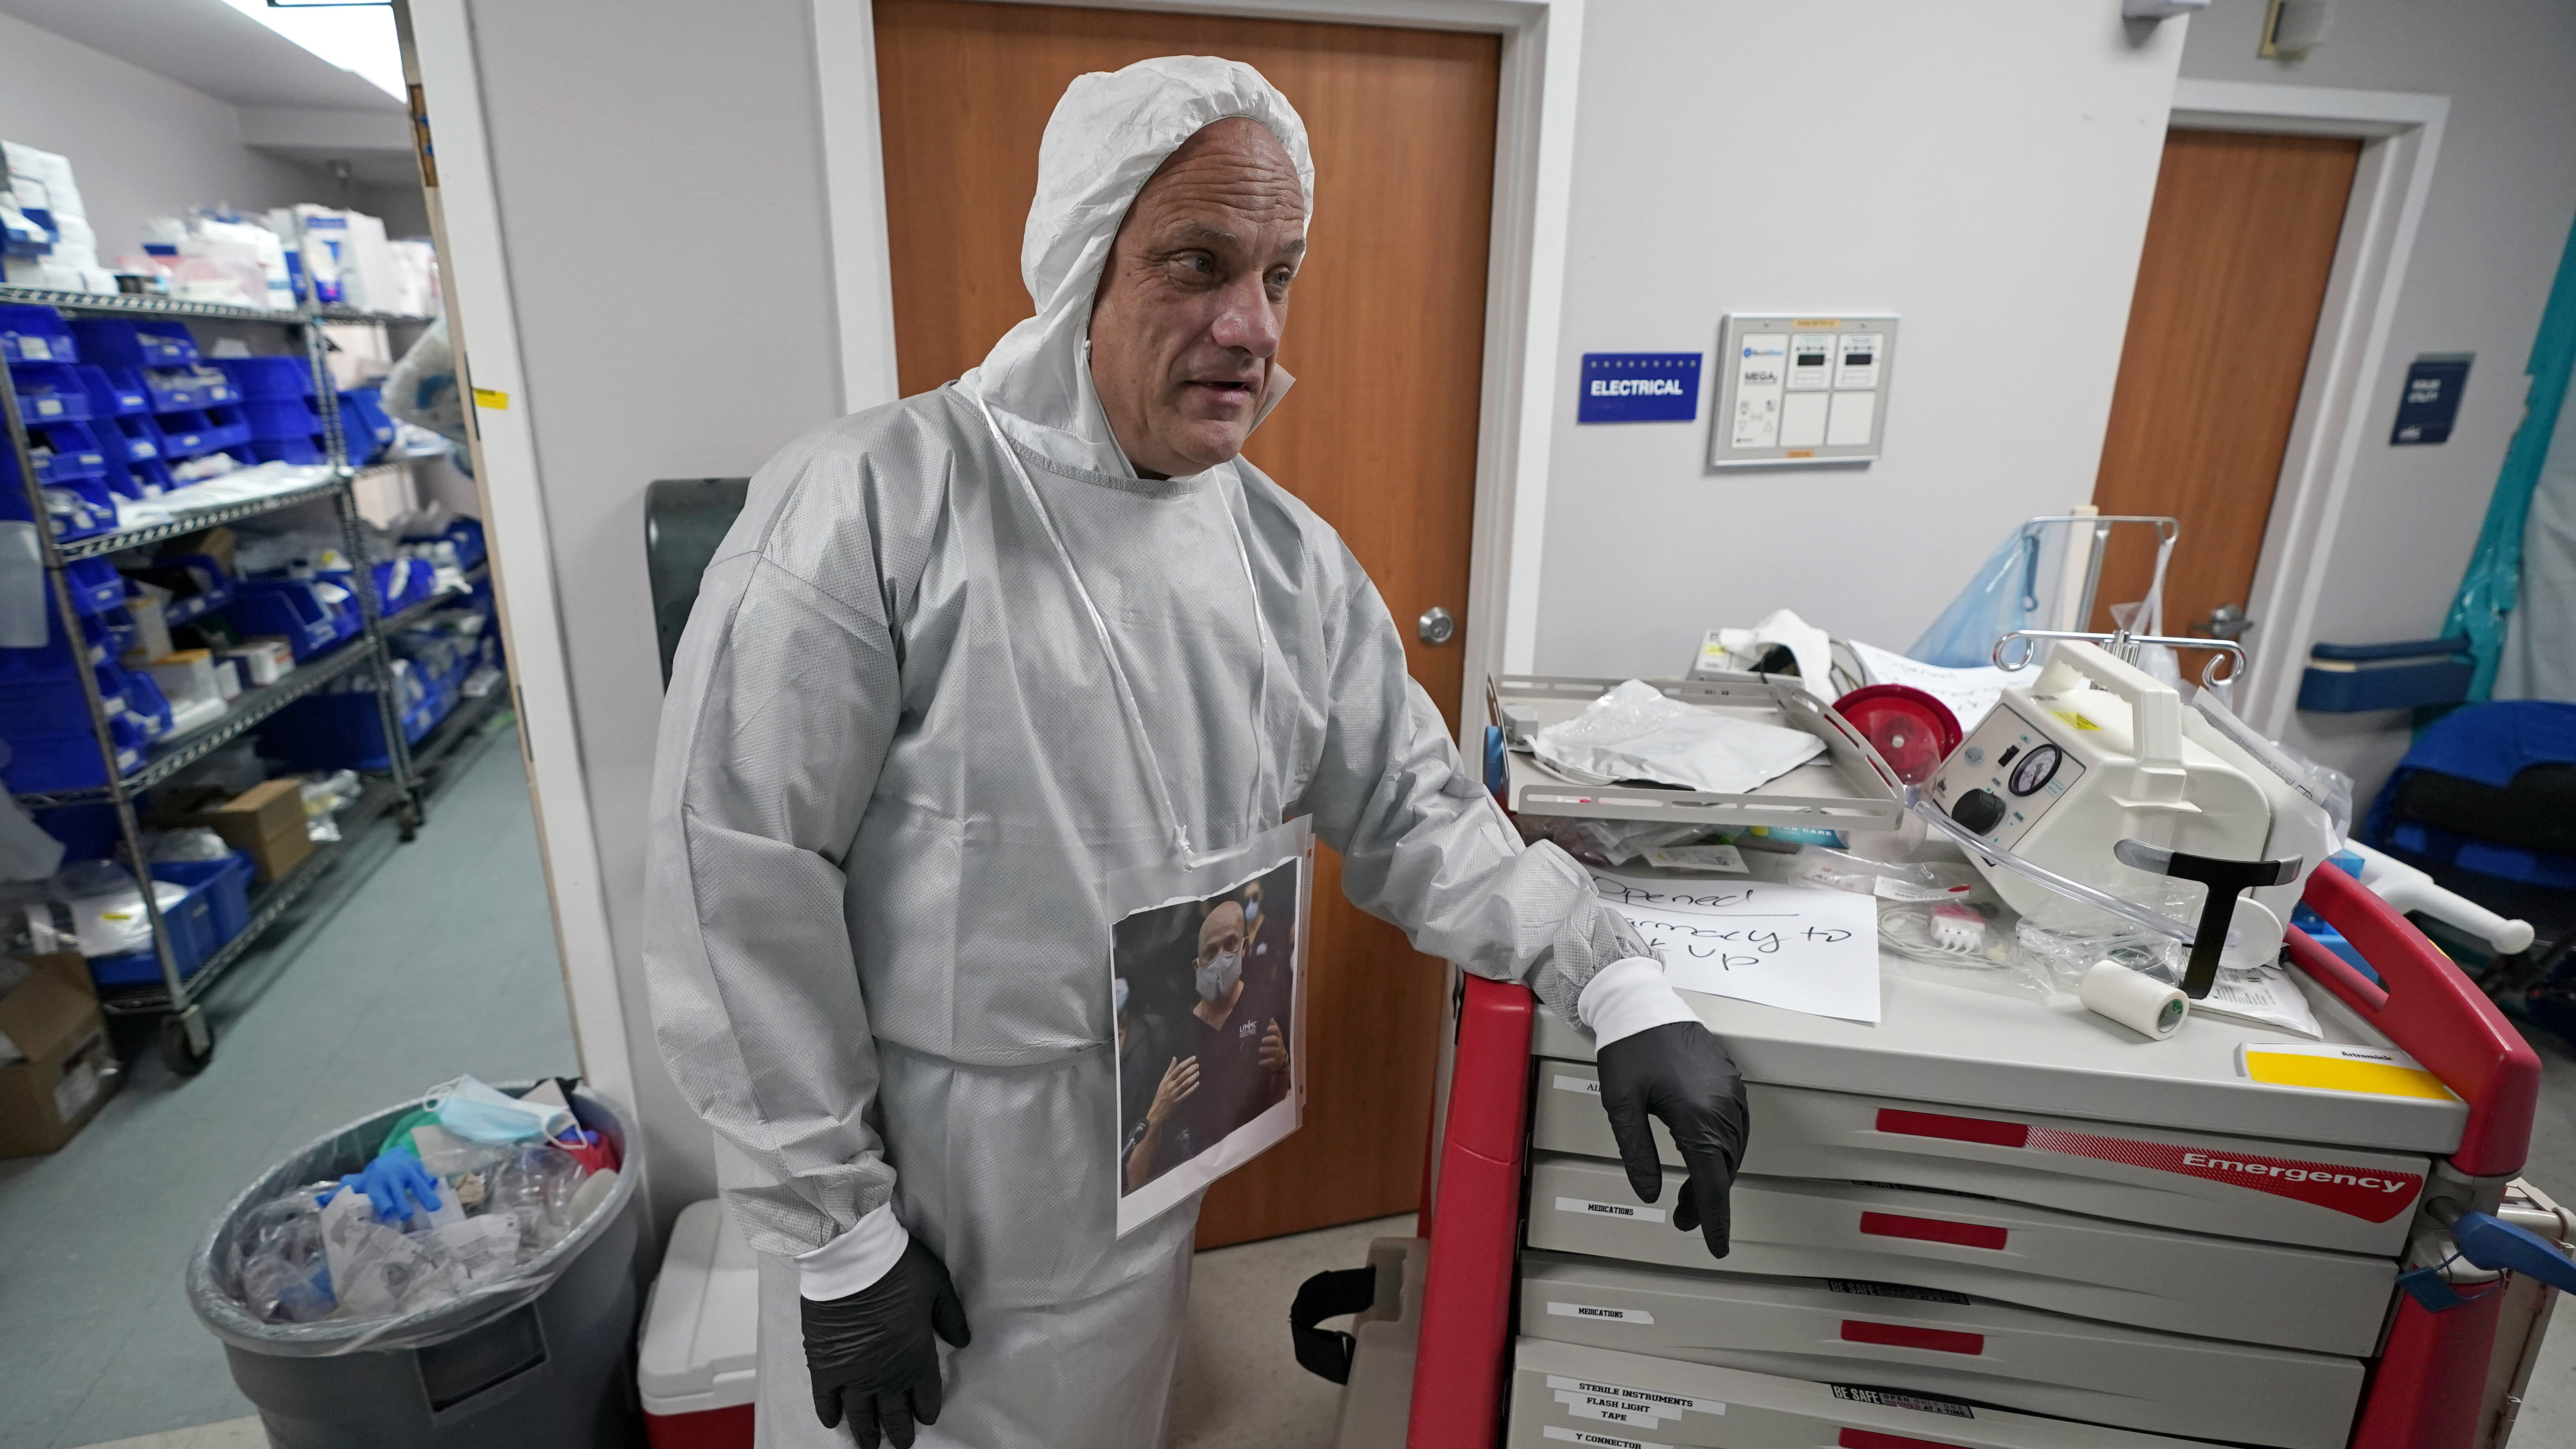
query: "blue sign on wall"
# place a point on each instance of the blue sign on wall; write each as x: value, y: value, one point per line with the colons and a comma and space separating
x: 1639, y: 387
x: 2432, y: 399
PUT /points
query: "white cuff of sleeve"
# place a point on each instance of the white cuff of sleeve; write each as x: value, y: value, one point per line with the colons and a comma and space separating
x: 854, y: 1260
x: 1628, y: 997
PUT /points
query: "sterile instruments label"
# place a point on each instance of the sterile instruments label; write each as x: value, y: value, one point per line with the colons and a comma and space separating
x: 1670, y: 1406
x: 1603, y: 1441
x: 1610, y: 1209
x: 1602, y: 1315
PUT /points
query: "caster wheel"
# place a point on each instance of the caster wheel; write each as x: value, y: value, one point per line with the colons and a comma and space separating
x: 187, y: 1042
x: 407, y: 822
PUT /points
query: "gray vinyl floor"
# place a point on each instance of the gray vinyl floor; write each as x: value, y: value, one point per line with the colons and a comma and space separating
x: 411, y: 964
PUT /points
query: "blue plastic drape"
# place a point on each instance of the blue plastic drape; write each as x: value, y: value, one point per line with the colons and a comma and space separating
x: 2494, y: 580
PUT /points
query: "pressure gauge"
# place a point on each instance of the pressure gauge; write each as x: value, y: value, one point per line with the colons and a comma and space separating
x: 2036, y: 769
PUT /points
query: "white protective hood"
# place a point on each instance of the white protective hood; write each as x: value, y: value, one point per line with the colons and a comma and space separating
x: 1108, y: 135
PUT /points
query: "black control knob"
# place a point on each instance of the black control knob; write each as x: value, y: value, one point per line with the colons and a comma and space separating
x: 1978, y: 810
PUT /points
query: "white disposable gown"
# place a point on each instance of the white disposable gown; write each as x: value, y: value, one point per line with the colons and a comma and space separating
x: 893, y: 773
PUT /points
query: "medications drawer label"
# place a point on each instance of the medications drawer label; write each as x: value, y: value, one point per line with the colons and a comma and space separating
x: 1601, y: 1441
x: 2373, y: 1195
x: 1589, y: 1208
x: 1646, y: 1401
x: 1599, y: 1314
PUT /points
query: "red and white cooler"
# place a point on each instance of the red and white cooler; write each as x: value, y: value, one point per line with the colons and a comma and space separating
x: 700, y: 1358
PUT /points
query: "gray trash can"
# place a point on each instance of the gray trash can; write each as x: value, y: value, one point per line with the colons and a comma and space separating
x: 544, y: 1359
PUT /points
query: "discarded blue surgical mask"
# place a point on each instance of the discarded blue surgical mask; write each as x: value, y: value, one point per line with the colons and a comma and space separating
x: 479, y: 1113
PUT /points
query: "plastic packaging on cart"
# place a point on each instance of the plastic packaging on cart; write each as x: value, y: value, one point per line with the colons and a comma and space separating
x: 106, y: 907
x: 1612, y: 842
x: 2015, y: 588
x: 1636, y: 732
x: 305, y: 1264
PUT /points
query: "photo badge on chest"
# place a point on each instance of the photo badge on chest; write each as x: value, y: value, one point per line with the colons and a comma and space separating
x: 1207, y: 987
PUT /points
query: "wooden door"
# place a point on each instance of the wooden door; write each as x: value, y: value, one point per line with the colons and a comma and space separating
x: 1386, y: 339
x: 2240, y: 245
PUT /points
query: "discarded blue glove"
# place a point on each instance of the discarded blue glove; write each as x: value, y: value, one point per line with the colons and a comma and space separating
x: 394, y: 1182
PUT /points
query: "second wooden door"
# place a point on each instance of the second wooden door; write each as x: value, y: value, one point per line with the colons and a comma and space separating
x: 2240, y: 246
x: 1386, y: 339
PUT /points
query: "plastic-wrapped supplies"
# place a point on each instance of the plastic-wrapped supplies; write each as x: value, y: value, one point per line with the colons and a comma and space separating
x: 1636, y: 733
x: 299, y: 1265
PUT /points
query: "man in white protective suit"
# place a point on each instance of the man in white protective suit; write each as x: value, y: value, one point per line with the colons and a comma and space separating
x: 967, y: 657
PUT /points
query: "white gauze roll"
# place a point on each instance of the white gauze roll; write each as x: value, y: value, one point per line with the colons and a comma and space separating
x: 2141, y: 1003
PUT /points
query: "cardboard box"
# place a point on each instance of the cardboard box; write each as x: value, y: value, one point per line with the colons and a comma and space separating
x: 68, y: 1070
x: 264, y: 822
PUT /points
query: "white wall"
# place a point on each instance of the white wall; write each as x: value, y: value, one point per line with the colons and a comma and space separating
x: 1984, y: 171
x: 140, y: 145
x: 2504, y: 190
x: 659, y: 171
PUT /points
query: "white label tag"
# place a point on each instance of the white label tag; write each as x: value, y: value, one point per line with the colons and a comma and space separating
x: 46, y: 407
x: 1674, y: 1402
x: 1605, y: 1315
x: 1698, y: 857
x: 1613, y: 1409
x: 35, y: 349
x: 1584, y: 1085
x: 1610, y: 1209
x: 1602, y: 1441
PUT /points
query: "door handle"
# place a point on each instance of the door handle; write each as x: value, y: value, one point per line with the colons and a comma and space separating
x: 2227, y: 621
x: 1436, y: 627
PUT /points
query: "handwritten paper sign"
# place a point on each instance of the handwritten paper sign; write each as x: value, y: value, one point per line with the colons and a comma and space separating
x: 1968, y: 692
x: 1794, y: 947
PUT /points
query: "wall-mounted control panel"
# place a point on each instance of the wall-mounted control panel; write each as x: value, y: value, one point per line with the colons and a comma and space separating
x: 1801, y: 389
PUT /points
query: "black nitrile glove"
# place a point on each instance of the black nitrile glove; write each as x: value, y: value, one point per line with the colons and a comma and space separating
x: 871, y: 1354
x: 1681, y: 1073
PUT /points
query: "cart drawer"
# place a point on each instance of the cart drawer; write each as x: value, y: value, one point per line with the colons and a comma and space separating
x: 1563, y: 1394
x: 2034, y: 1257
x: 1927, y: 1341
x: 2354, y: 1201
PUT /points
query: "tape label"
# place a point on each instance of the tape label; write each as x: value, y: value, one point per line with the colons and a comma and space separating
x: 1630, y: 1211
x: 1602, y: 1441
x: 1670, y: 1405
x: 1578, y: 1084
x: 1605, y: 1315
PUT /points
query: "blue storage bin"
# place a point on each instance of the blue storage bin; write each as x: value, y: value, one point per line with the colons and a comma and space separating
x: 269, y: 379
x: 68, y: 760
x: 185, y: 434
x: 124, y: 342
x: 126, y: 389
x: 288, y: 450
x: 293, y: 610
x: 174, y: 388
x: 50, y: 392
x: 191, y: 932
x: 227, y: 427
x: 197, y: 580
x: 142, y: 436
x: 227, y: 883
x: 36, y: 334
x: 88, y: 832
x: 68, y: 451
x: 74, y: 507
x: 290, y: 418
x: 96, y: 586
x: 365, y: 423
x: 339, y: 732
x: 106, y: 400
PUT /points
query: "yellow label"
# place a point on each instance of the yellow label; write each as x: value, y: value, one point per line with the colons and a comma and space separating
x: 2344, y: 1069
x: 1816, y: 322
x: 2077, y: 720
x: 493, y: 398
